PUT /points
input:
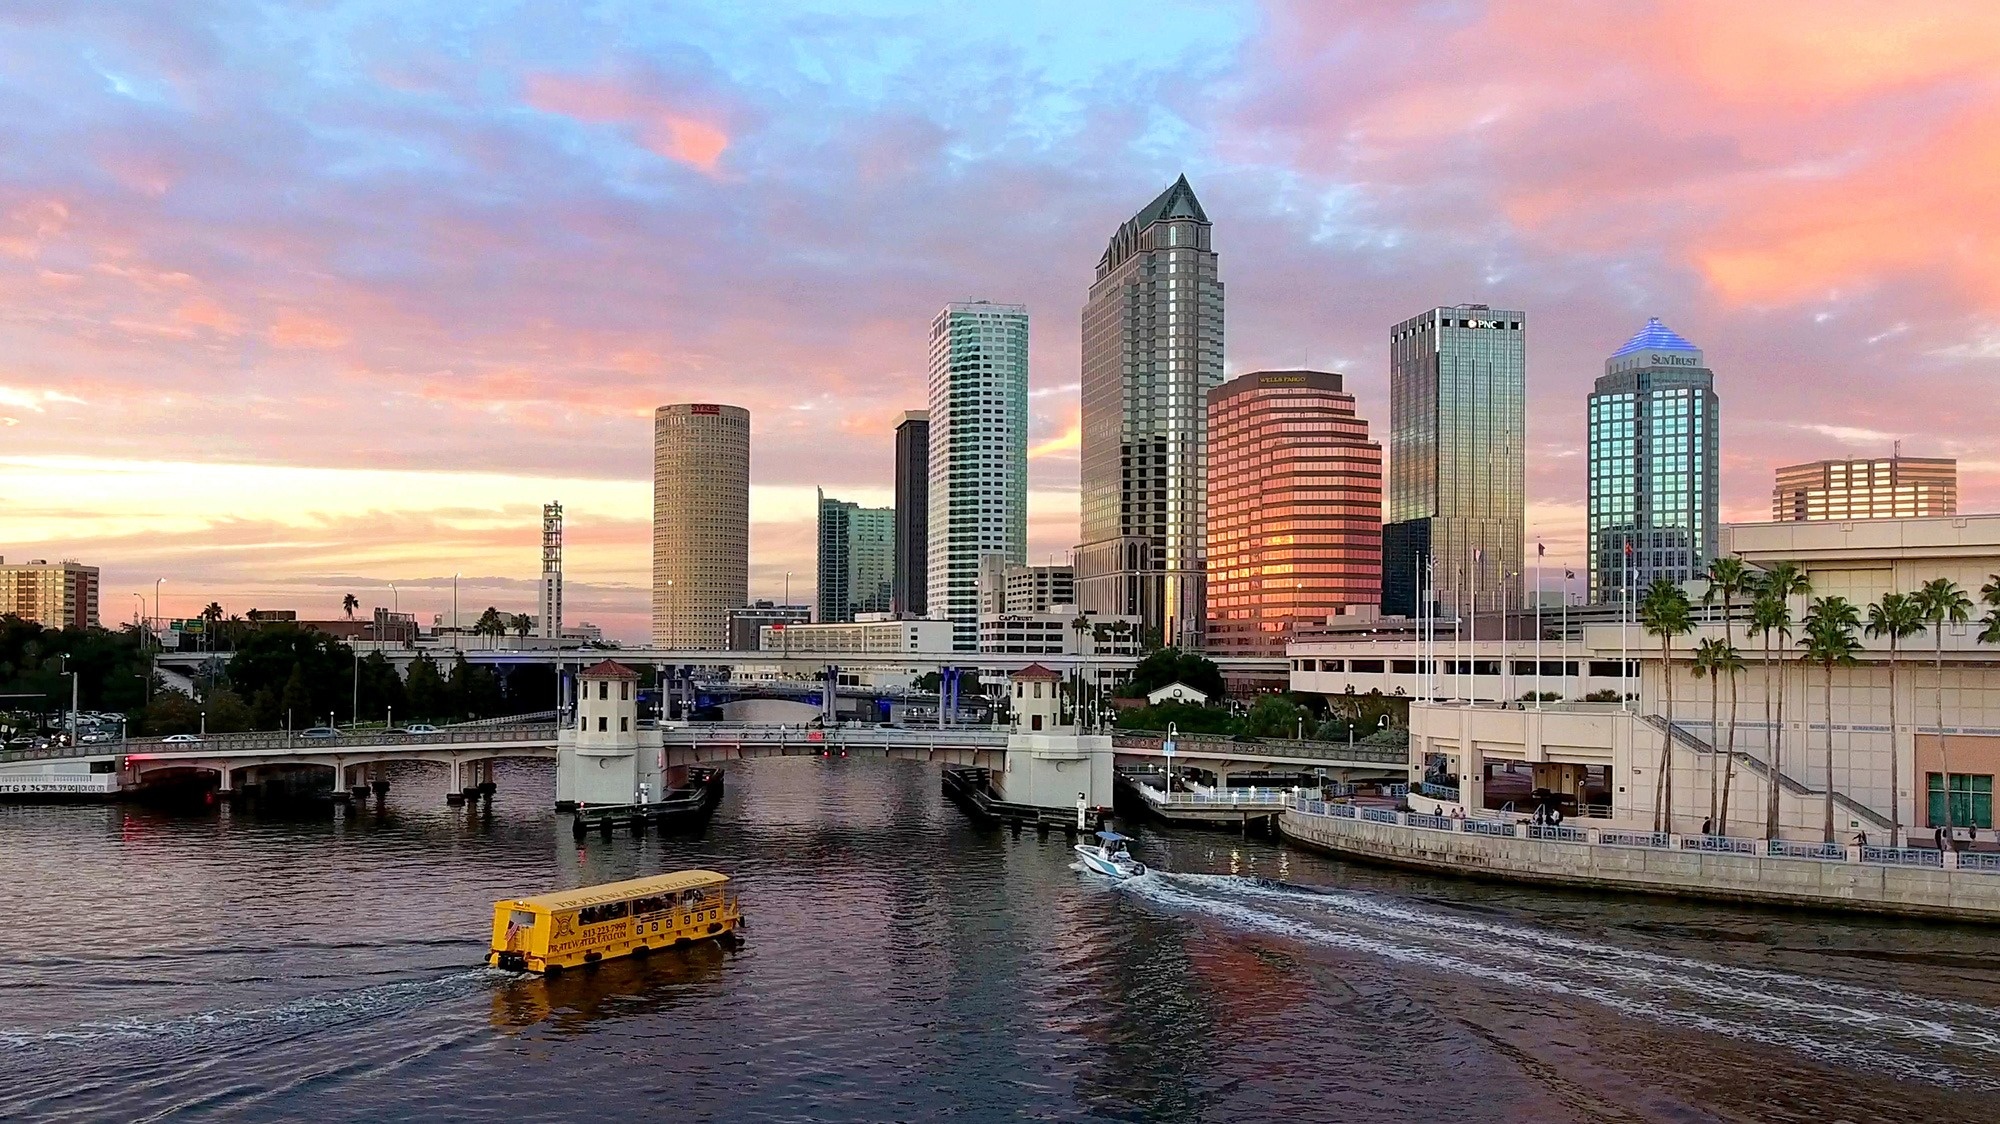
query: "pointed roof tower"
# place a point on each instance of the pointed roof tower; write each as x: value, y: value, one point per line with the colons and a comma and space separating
x: 1176, y: 202
x: 1655, y: 336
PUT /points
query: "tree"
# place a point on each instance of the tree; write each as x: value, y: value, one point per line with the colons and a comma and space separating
x: 1896, y: 617
x: 212, y: 612
x: 1274, y: 716
x: 170, y: 712
x: 1940, y: 602
x: 1729, y: 578
x: 1829, y: 642
x: 1714, y: 659
x: 296, y: 701
x: 349, y: 603
x: 1770, y: 613
x: 1171, y: 665
x: 425, y: 688
x: 228, y: 713
x: 1665, y: 613
x: 490, y: 625
x: 523, y: 624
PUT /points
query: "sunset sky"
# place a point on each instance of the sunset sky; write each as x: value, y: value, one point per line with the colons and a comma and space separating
x: 303, y: 301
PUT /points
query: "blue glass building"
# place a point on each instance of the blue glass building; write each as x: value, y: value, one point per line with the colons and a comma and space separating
x: 1654, y: 440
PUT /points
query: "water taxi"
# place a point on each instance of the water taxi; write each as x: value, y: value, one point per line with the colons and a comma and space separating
x: 551, y: 932
x: 1109, y: 857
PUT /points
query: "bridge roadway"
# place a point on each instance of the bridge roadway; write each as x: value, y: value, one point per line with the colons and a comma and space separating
x: 804, y: 662
x: 231, y: 755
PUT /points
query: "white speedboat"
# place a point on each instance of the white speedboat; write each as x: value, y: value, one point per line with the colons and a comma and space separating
x: 1109, y: 857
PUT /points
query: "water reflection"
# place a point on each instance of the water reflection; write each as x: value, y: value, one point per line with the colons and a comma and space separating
x: 569, y: 1002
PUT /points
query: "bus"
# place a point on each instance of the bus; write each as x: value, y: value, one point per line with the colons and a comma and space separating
x: 551, y: 932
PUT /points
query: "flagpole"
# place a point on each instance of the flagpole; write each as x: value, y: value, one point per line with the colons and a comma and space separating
x: 1538, y: 626
x: 1565, y: 639
x: 1624, y: 618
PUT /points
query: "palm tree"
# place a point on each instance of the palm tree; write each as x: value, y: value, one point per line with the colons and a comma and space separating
x: 523, y: 624
x: 1772, y: 612
x: 1714, y: 659
x: 1665, y: 613
x: 213, y: 612
x: 1897, y: 617
x: 1728, y: 578
x: 1940, y: 602
x: 349, y: 603
x: 489, y: 625
x: 1829, y: 641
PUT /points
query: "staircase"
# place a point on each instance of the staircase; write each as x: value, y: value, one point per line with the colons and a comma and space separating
x: 1786, y: 781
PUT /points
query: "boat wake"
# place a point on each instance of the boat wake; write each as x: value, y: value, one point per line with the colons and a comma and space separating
x: 1943, y: 1041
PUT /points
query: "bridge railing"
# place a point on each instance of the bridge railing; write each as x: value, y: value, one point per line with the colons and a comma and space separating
x: 1200, y: 745
x: 266, y: 740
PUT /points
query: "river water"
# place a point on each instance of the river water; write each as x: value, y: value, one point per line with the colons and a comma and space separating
x: 902, y: 964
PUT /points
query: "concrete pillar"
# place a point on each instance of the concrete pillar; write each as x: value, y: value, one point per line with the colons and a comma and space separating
x: 457, y: 783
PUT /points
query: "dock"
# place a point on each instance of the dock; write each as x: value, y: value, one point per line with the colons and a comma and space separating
x: 971, y: 788
x: 1186, y: 803
x: 675, y: 808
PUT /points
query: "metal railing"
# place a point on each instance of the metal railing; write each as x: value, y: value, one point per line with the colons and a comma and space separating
x: 1720, y: 844
x: 1205, y: 745
x: 292, y: 742
x: 1981, y: 861
x: 1436, y: 791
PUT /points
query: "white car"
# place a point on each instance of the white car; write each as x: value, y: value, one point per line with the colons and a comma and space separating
x: 180, y: 739
x: 420, y: 728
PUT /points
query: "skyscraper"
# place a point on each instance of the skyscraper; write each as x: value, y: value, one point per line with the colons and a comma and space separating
x: 913, y: 514
x: 1896, y: 487
x: 1294, y: 508
x: 978, y: 454
x: 1655, y: 435
x: 857, y: 559
x: 54, y: 595
x: 1152, y: 349
x: 1457, y: 425
x: 701, y: 523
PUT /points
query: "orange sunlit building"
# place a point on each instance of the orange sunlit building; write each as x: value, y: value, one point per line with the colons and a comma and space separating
x: 1897, y: 487
x: 1294, y: 508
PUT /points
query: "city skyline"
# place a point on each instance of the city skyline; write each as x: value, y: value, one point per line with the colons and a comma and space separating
x: 313, y: 392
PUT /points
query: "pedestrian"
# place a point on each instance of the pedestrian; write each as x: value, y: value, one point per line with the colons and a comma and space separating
x: 1940, y: 839
x: 1708, y: 826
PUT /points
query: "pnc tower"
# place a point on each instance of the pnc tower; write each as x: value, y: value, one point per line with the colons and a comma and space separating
x: 1152, y: 350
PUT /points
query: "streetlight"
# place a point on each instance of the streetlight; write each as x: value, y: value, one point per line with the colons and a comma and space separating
x: 157, y: 582
x: 454, y: 611
x: 354, y: 713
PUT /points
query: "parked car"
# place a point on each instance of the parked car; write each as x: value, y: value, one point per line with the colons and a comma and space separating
x: 420, y: 728
x: 180, y: 739
x: 320, y: 732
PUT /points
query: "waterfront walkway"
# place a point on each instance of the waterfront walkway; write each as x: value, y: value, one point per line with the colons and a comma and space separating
x: 1901, y: 880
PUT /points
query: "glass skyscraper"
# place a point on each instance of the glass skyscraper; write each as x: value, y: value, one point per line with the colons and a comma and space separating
x: 1152, y: 350
x: 857, y: 559
x: 978, y: 454
x: 1457, y: 475
x: 1654, y: 439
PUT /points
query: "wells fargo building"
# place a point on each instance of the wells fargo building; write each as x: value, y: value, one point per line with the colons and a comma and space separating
x: 1294, y: 508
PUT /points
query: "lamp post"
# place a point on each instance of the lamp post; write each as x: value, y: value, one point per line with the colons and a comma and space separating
x: 354, y: 710
x: 157, y: 582
x: 454, y: 611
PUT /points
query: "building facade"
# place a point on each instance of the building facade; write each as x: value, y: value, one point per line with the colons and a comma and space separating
x: 913, y: 514
x: 1152, y: 349
x: 1654, y: 448
x: 1016, y: 587
x: 52, y: 594
x: 1895, y: 487
x: 978, y: 453
x: 747, y: 622
x: 1294, y: 508
x: 549, y: 622
x: 857, y: 559
x: 1457, y: 473
x: 701, y: 523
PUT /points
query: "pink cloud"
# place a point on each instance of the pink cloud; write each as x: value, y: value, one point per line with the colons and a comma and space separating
x: 663, y: 129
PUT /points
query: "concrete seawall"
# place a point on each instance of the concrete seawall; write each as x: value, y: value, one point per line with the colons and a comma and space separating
x: 1960, y: 895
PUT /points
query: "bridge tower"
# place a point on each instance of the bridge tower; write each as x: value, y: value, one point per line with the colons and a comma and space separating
x: 597, y: 758
x: 552, y: 606
x: 1049, y: 761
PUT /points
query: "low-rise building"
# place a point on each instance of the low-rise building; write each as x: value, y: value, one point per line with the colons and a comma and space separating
x: 1909, y: 738
x: 747, y: 622
x: 52, y: 594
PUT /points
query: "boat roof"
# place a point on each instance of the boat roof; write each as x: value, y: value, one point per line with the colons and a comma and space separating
x: 630, y: 888
x: 1113, y: 837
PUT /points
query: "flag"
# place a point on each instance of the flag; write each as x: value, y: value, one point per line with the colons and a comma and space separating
x: 1628, y: 546
x: 1478, y: 555
x: 1569, y: 575
x: 1540, y: 550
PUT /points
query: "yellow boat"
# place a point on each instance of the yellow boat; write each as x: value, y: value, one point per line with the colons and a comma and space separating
x: 551, y: 932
